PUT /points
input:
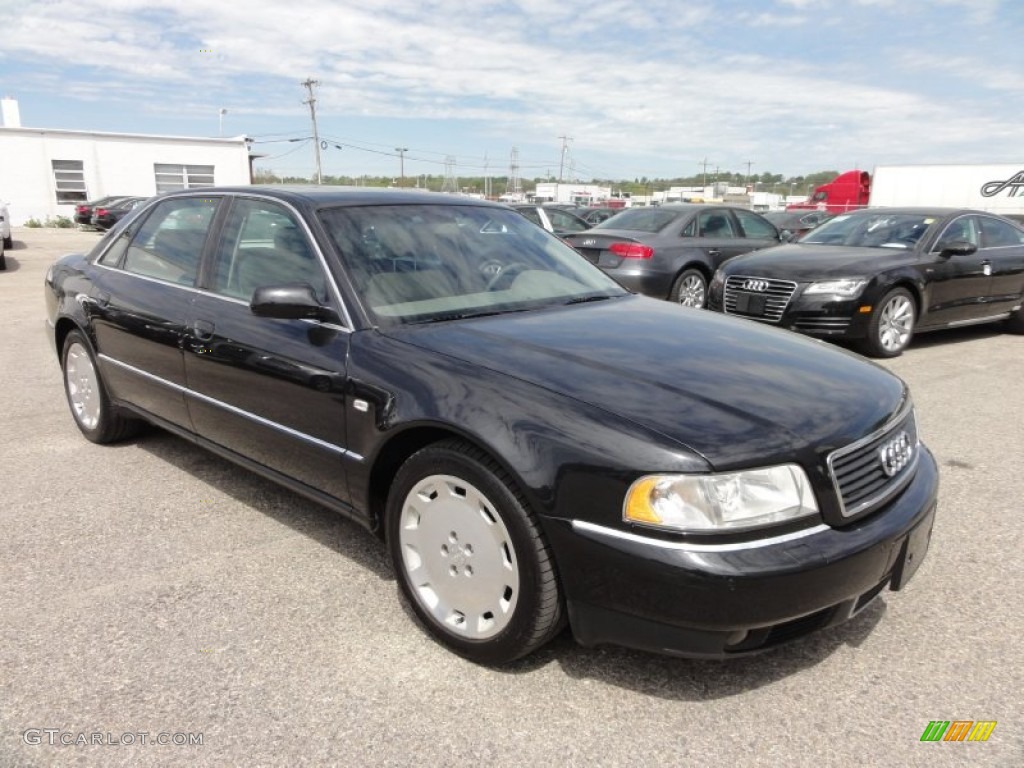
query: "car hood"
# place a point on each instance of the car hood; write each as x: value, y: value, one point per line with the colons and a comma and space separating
x: 736, y: 392
x: 810, y: 261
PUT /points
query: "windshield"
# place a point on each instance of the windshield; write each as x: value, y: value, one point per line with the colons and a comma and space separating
x: 426, y: 263
x: 872, y: 229
x: 641, y: 219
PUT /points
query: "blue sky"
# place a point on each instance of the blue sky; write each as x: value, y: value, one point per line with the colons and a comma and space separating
x: 642, y: 87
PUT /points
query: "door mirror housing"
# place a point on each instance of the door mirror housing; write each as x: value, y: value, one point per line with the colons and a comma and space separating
x: 294, y: 301
x: 957, y: 248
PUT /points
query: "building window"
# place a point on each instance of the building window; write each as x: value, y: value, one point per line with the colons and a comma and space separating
x: 170, y: 177
x: 69, y: 180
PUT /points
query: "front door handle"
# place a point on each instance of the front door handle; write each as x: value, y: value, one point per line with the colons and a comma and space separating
x: 203, y: 329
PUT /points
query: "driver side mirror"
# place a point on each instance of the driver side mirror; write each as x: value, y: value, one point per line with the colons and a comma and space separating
x: 956, y: 248
x: 290, y: 302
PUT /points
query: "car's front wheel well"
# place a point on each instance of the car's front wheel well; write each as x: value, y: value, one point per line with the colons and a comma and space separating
x: 391, y: 457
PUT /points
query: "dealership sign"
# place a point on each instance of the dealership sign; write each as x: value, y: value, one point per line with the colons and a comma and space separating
x: 1014, y: 184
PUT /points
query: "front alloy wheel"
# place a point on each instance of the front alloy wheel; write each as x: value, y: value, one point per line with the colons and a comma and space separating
x: 470, y: 556
x: 892, y: 324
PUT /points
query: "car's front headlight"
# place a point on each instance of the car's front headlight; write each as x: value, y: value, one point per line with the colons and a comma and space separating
x: 846, y: 288
x: 723, y: 502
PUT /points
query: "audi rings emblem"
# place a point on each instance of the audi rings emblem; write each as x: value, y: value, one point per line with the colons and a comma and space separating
x: 896, y: 454
x: 758, y: 286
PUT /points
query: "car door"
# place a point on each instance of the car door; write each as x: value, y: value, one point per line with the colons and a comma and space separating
x: 140, y: 302
x: 266, y: 389
x: 959, y: 285
x: 718, y: 235
x: 1002, y: 245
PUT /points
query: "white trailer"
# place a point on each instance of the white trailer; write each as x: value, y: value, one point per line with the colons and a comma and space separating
x: 997, y: 188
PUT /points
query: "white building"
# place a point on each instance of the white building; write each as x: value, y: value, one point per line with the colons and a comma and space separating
x: 568, y: 192
x: 45, y: 172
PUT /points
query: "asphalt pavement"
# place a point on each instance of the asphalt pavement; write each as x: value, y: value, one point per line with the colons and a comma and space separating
x: 151, y: 591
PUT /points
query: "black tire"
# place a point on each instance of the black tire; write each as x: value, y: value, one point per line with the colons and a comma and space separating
x: 99, y: 420
x: 891, y: 327
x: 690, y: 289
x: 482, y: 522
x: 9, y: 242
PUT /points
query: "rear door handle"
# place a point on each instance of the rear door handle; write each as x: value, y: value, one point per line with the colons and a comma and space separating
x: 714, y: 252
x: 203, y: 329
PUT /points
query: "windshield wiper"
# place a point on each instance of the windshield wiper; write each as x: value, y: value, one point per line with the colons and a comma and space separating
x: 585, y: 299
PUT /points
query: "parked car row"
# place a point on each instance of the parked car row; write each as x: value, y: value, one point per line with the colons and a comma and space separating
x: 107, y: 211
x: 873, y: 277
x: 536, y: 445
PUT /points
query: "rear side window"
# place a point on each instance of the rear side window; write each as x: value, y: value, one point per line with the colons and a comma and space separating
x: 715, y: 224
x: 996, y: 233
x: 755, y: 227
x: 169, y: 243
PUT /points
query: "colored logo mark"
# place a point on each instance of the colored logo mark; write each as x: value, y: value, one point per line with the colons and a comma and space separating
x: 958, y: 730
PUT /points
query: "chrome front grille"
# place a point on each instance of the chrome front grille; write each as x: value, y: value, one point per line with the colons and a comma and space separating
x: 872, y: 470
x: 759, y: 298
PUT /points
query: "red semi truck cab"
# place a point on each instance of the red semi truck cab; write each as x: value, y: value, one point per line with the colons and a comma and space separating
x: 846, y: 192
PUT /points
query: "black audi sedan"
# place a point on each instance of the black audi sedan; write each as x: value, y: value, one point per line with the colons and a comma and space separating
x: 877, y: 276
x: 671, y: 251
x: 536, y: 445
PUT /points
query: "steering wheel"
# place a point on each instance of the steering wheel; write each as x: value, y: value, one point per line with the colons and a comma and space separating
x: 508, y: 271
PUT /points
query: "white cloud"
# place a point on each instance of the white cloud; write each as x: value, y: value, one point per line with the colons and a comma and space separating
x: 648, y: 79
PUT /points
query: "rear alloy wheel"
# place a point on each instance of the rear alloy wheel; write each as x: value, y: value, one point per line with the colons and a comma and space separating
x: 892, y: 324
x: 98, y: 420
x: 690, y: 289
x: 469, y: 555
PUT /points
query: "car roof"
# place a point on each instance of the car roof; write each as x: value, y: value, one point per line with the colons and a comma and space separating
x: 327, y: 195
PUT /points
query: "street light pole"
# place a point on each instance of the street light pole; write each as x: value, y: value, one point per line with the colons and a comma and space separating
x: 220, y: 121
x: 401, y: 164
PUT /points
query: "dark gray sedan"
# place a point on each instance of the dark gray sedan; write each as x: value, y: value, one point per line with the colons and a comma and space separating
x: 671, y: 252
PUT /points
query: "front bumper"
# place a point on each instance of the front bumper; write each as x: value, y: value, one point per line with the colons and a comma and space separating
x: 717, y: 601
x: 824, y: 317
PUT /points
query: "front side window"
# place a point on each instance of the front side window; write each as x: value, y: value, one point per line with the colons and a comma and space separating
x: 964, y: 229
x: 432, y: 263
x: 263, y: 245
x: 565, y: 222
x: 172, y: 177
x: 69, y: 181
x: 755, y: 227
x: 169, y: 243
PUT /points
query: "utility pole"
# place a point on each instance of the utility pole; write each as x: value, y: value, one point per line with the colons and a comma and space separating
x: 565, y: 148
x: 401, y: 163
x: 309, y: 83
x: 749, y: 163
x: 704, y: 163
